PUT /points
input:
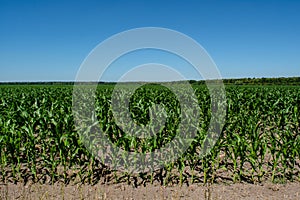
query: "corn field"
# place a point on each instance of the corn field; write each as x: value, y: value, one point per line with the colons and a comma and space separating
x: 259, y: 142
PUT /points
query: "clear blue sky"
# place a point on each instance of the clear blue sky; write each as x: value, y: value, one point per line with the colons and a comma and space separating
x: 48, y: 40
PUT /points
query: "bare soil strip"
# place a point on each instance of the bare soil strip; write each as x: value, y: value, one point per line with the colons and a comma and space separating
x: 289, y: 190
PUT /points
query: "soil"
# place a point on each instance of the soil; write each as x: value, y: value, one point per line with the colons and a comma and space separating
x: 290, y: 190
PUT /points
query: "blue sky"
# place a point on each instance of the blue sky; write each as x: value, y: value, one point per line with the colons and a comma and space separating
x: 48, y: 40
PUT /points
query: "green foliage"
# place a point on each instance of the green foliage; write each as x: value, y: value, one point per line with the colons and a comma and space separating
x: 260, y: 140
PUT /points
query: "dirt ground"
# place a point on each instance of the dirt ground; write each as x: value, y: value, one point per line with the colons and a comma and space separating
x: 123, y: 191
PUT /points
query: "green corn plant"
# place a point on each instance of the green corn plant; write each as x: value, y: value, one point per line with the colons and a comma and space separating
x: 38, y: 136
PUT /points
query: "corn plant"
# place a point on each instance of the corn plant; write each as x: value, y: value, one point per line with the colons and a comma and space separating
x: 39, y: 141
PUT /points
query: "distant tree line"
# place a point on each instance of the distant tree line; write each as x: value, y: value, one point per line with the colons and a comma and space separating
x: 257, y: 81
x: 238, y: 81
